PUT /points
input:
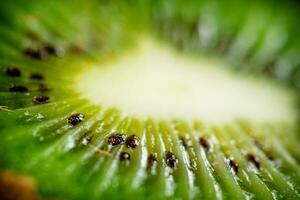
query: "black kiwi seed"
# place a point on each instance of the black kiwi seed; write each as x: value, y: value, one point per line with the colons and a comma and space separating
x: 37, y: 76
x: 152, y: 159
x: 75, y: 119
x: 35, y: 53
x: 132, y: 141
x: 116, y: 139
x: 40, y: 99
x: 124, y: 156
x: 234, y: 165
x: 171, y: 159
x: 251, y: 158
x: 13, y: 72
x: 204, y: 143
x: 18, y: 88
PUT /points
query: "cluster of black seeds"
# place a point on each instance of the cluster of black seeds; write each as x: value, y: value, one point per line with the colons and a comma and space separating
x: 41, y: 87
x: 40, y: 99
x: 75, y: 119
x: 171, y: 159
x: 37, y: 54
x: 15, y: 72
x: 42, y: 52
x: 116, y: 139
x: 131, y: 141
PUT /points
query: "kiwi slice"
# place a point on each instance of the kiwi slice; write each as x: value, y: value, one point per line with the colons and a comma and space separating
x: 143, y: 99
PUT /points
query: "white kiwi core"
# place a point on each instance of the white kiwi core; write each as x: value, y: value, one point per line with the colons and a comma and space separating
x: 155, y: 81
